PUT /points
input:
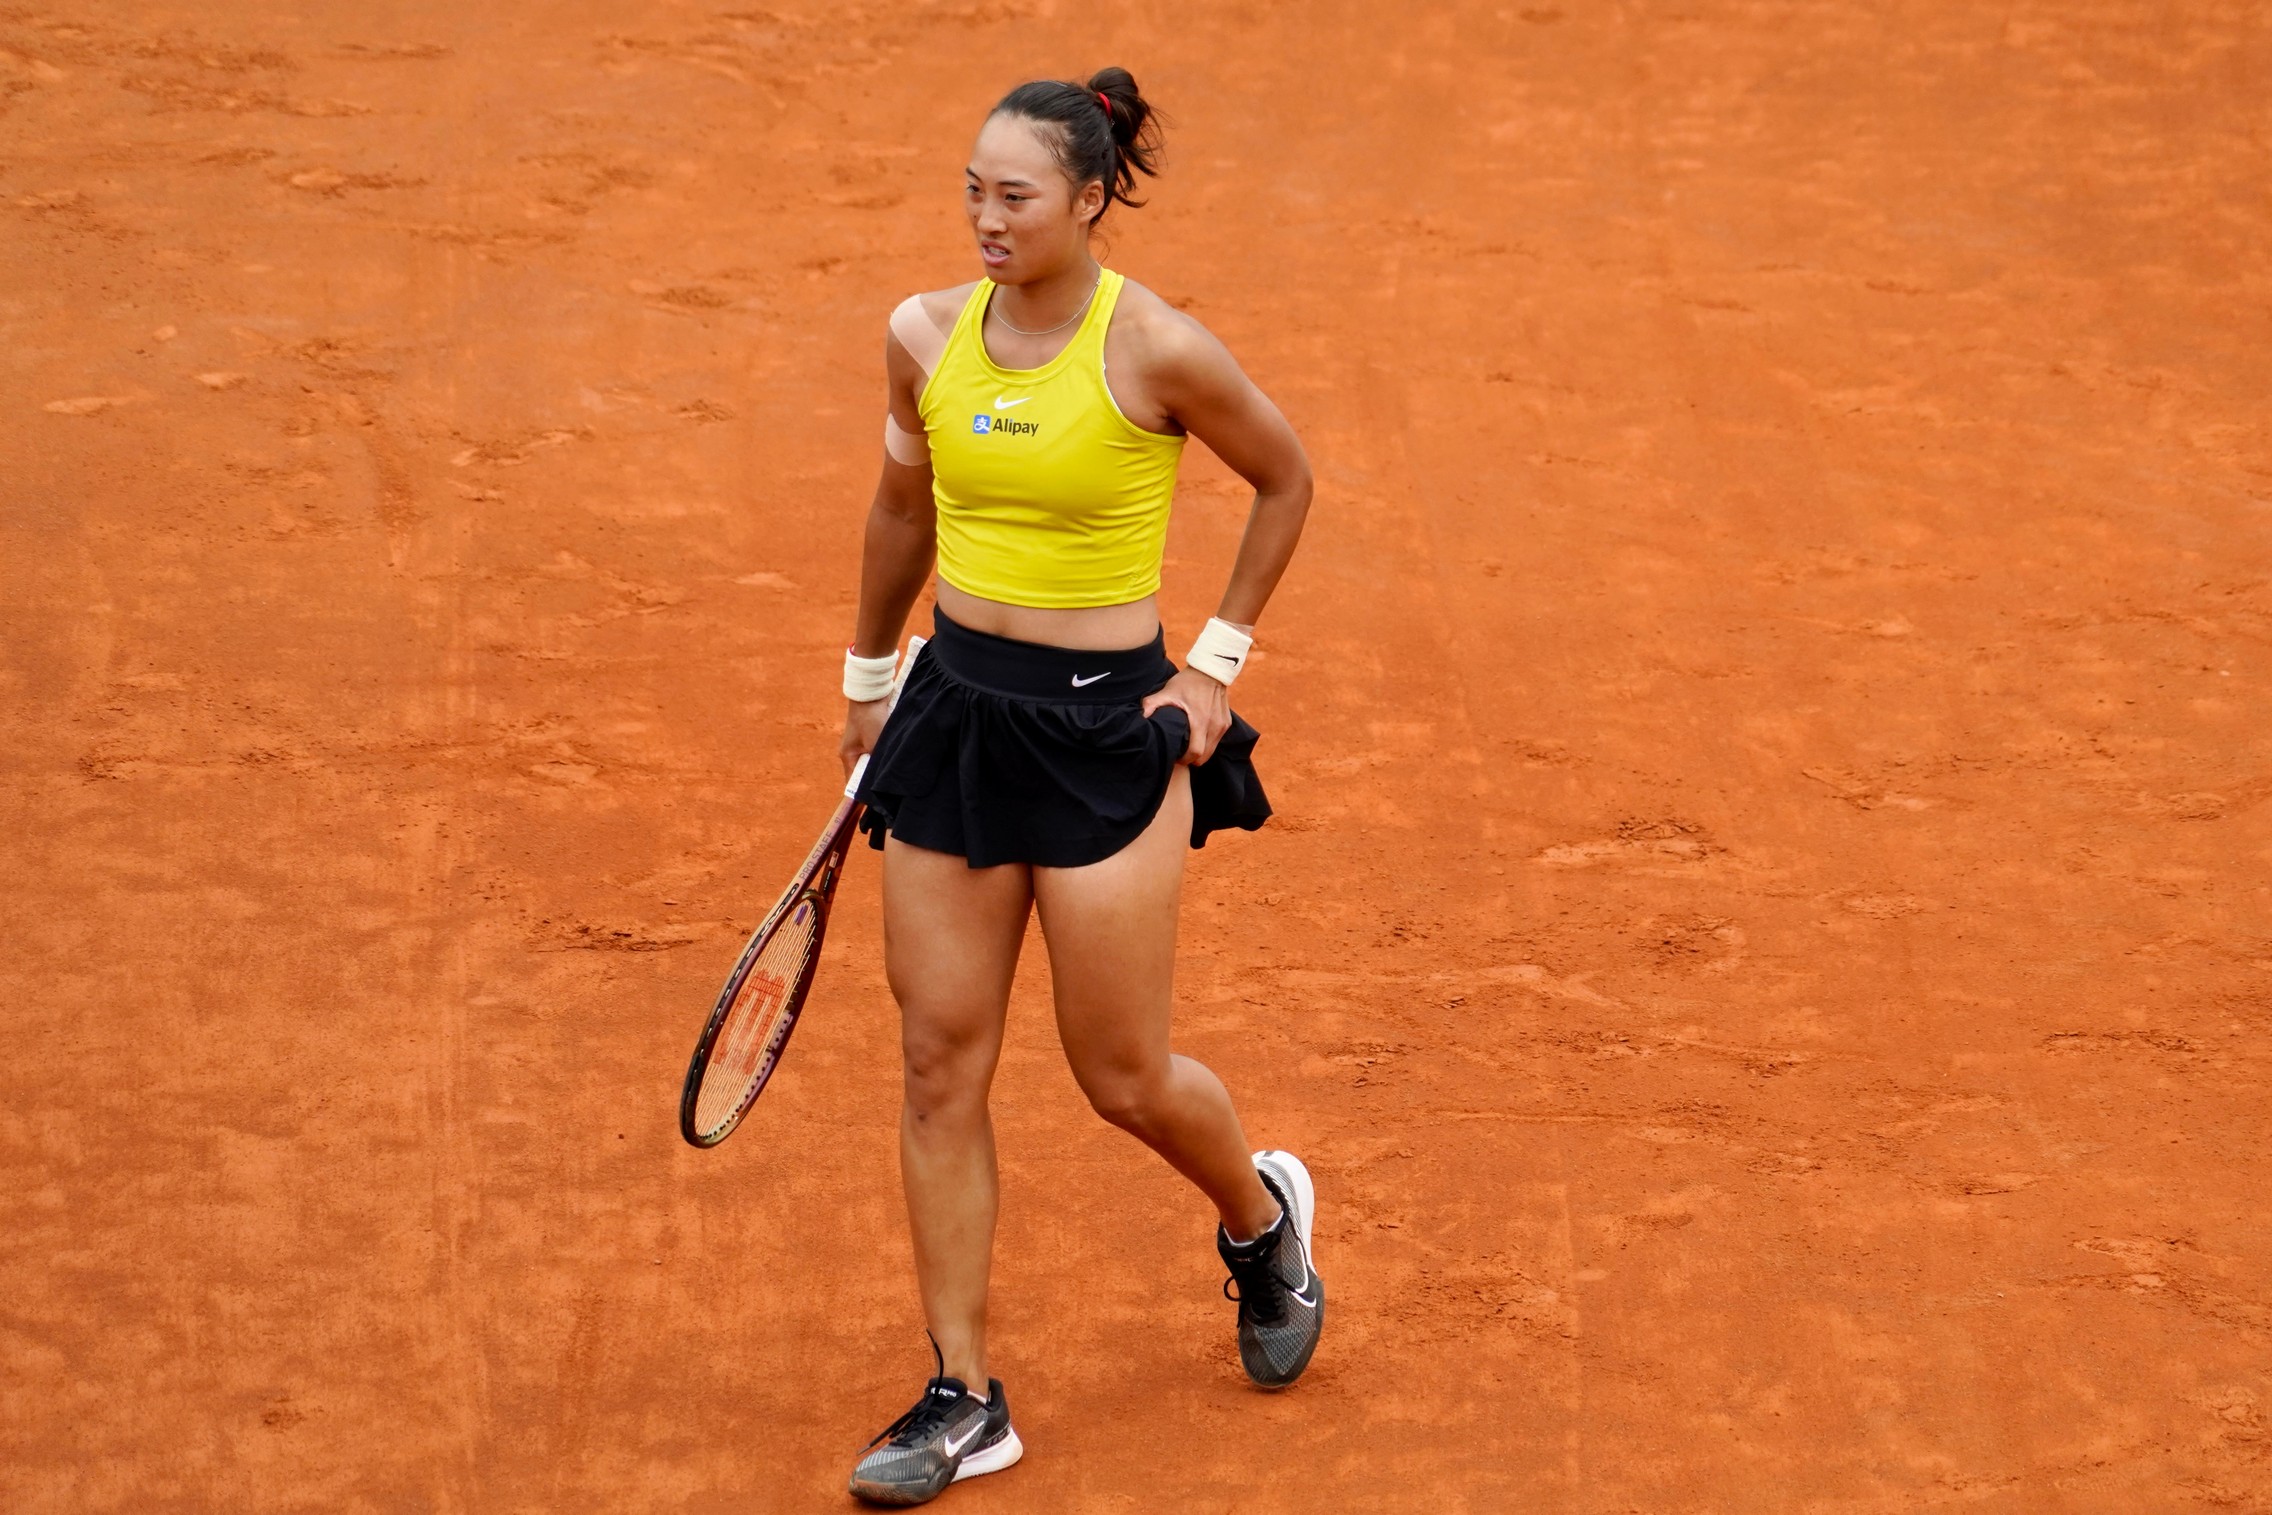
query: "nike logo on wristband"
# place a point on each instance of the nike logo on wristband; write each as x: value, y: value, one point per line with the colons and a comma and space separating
x: 954, y: 1447
x: 1081, y: 683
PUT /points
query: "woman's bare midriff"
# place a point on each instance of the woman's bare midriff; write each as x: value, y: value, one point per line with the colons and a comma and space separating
x: 1095, y: 628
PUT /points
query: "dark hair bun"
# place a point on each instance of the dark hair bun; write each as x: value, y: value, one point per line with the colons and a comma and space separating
x: 1106, y: 129
x: 1128, y: 117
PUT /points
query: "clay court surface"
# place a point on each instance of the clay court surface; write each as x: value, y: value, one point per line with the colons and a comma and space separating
x: 1764, y: 945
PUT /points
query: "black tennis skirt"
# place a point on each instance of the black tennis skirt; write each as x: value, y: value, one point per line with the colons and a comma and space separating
x: 1002, y: 751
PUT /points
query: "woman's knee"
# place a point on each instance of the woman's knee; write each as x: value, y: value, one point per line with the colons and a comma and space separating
x: 1128, y: 1096
x: 944, y: 1071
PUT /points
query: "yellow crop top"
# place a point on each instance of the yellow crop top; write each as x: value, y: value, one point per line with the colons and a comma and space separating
x: 1047, y: 494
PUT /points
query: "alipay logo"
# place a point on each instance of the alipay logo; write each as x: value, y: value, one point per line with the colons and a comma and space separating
x: 981, y: 424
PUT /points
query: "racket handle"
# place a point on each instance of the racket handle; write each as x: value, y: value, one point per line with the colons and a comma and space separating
x: 860, y: 768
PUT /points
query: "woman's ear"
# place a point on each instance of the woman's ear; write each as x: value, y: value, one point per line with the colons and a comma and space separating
x: 1090, y: 202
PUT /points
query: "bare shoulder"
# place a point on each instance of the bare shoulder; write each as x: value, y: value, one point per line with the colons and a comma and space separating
x: 1161, y: 337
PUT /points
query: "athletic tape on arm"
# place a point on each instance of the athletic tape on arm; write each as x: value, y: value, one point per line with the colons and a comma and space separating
x: 910, y: 447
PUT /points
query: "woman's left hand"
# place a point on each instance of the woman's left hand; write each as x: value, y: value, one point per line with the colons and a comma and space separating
x: 1205, y: 702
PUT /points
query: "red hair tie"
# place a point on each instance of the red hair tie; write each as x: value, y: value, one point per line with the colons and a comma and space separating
x: 1107, y: 104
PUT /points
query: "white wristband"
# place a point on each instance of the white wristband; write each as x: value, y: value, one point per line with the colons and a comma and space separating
x: 868, y: 679
x: 1220, y: 651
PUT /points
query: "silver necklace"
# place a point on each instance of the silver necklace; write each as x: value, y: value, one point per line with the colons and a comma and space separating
x: 1078, y: 311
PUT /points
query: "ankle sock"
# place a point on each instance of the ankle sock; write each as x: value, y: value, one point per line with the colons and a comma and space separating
x: 1245, y: 1247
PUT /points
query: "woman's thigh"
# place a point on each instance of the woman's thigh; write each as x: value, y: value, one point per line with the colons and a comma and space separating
x: 951, y: 939
x: 1110, y: 929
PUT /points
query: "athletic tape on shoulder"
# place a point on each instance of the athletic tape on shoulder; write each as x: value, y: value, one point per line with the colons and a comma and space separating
x: 916, y: 331
x: 1220, y: 652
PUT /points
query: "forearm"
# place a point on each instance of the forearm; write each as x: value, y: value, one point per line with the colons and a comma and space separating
x: 895, y: 560
x: 1273, y: 528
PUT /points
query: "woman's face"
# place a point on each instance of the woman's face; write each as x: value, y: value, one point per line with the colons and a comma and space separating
x: 1027, y: 218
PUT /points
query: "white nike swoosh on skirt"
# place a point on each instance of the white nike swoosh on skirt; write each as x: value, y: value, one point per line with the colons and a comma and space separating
x: 1081, y: 683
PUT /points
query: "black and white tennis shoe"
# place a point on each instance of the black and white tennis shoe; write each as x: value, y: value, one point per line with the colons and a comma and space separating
x: 1280, y: 1297
x: 949, y: 1434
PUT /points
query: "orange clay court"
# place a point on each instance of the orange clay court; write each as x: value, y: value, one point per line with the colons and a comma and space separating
x: 1765, y: 943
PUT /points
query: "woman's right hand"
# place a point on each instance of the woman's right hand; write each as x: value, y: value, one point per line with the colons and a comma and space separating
x: 863, y: 723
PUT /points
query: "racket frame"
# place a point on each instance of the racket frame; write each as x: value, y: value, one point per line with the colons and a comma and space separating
x: 815, y: 884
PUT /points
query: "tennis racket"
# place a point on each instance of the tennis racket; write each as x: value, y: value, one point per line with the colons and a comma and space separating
x: 749, y: 1027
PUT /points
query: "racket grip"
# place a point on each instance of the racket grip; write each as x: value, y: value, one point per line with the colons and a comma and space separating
x: 860, y: 768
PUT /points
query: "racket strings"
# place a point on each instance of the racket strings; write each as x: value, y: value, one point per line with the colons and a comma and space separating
x: 750, y: 1038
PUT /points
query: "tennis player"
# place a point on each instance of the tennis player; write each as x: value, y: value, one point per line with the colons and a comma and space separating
x: 1045, y: 754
